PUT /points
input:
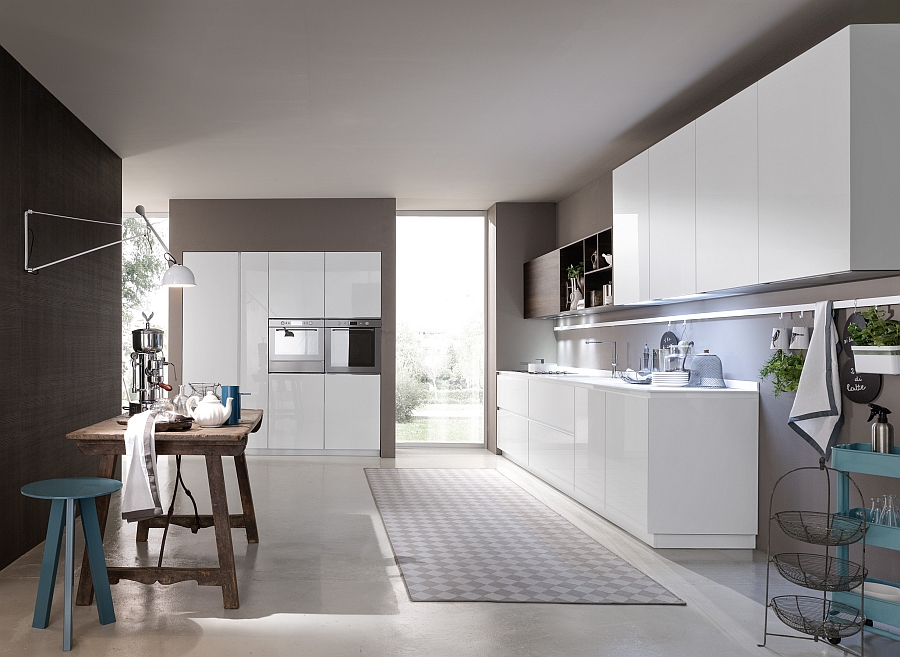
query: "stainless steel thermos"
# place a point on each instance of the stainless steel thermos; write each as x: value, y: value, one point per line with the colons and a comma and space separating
x: 882, y: 431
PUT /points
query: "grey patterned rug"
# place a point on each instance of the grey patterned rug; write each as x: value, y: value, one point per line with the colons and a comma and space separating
x: 474, y: 535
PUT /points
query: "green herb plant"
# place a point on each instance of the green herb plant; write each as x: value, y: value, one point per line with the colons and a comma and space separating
x: 879, y: 331
x: 785, y: 369
x: 575, y: 271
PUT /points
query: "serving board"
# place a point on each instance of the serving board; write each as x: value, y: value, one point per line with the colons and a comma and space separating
x: 161, y: 426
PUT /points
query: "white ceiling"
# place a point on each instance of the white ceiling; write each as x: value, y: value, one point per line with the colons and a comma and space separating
x: 451, y: 104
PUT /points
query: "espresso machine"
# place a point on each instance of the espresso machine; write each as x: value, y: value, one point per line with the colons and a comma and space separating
x: 148, y: 366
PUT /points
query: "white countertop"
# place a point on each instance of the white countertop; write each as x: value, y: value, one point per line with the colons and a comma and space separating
x: 603, y: 379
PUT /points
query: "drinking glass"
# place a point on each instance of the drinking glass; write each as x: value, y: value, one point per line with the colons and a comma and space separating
x: 876, y: 509
x: 887, y: 513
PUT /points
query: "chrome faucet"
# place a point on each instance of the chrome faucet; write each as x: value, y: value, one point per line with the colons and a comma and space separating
x: 614, y: 357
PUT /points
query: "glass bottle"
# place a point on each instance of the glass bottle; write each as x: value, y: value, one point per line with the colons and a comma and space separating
x: 887, y: 513
x: 876, y: 509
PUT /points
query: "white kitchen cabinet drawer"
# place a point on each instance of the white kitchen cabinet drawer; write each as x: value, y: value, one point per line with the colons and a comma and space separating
x: 296, y: 415
x: 512, y: 394
x: 627, y: 456
x: 552, y: 404
x: 512, y: 436
x: 728, y: 195
x: 353, y: 411
x: 672, y: 215
x: 297, y: 284
x: 551, y: 456
x: 353, y: 284
x: 631, y: 230
x: 590, y: 447
x: 253, y: 366
x: 211, y: 318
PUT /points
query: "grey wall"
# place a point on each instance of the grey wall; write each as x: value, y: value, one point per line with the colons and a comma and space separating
x: 60, y: 329
x: 296, y: 225
x: 517, y: 233
x: 585, y: 211
x: 742, y: 344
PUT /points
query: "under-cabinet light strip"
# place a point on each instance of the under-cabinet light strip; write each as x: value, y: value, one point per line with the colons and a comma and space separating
x: 728, y: 314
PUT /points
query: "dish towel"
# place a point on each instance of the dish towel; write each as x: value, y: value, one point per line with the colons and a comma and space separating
x: 140, y: 495
x: 816, y: 413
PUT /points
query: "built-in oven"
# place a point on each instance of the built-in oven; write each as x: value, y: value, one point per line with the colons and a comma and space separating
x: 297, y: 345
x: 353, y: 346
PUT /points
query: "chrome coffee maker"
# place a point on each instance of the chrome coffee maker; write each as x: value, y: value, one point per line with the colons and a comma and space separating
x: 148, y: 365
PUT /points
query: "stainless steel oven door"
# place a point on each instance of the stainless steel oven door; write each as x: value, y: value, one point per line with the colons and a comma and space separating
x: 353, y: 346
x: 297, y: 345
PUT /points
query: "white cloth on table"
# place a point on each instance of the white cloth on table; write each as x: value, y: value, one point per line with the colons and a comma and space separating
x: 140, y: 494
x: 817, y: 414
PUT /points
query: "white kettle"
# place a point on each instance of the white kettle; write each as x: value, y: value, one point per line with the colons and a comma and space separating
x: 209, y: 411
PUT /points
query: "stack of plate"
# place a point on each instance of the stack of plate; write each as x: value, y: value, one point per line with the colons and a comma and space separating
x: 672, y: 379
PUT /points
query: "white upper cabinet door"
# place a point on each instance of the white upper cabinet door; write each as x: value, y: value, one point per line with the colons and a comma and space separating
x: 353, y: 284
x: 672, y: 215
x: 804, y: 164
x: 728, y: 195
x: 631, y: 230
x: 211, y: 319
x: 353, y: 411
x: 254, y: 371
x: 297, y: 285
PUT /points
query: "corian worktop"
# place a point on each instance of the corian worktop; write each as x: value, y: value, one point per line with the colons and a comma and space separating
x: 603, y: 379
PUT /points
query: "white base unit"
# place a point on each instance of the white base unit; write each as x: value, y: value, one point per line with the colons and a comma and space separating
x: 353, y: 411
x: 512, y: 435
x: 296, y: 414
x: 675, y: 467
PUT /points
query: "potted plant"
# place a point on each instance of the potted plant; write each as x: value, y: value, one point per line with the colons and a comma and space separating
x: 876, y: 346
x: 575, y: 274
x: 785, y: 369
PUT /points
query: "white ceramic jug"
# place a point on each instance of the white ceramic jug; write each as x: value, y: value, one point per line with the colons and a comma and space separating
x: 209, y: 411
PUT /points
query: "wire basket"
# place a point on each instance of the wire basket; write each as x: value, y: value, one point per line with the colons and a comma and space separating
x: 819, y: 572
x: 817, y: 617
x: 201, y: 389
x: 821, y: 528
x: 706, y: 372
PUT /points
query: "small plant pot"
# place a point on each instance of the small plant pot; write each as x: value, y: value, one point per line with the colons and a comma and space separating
x: 876, y: 360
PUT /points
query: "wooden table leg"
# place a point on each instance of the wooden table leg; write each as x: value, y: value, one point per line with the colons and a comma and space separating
x: 243, y: 477
x: 143, y: 531
x: 85, y: 595
x: 223, y: 530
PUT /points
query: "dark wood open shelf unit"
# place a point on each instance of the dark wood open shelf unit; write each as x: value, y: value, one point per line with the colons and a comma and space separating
x: 546, y: 279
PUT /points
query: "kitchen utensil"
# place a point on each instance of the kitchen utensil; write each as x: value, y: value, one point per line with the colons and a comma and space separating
x: 209, y: 411
x: 882, y: 431
x: 799, y: 337
x: 148, y: 364
x: 147, y: 340
x: 202, y: 389
x: 233, y: 393
x: 780, y: 339
x: 706, y: 371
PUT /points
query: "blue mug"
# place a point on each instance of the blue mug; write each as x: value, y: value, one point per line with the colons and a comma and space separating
x: 235, y: 393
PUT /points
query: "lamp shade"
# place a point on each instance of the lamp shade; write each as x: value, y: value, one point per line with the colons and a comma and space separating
x: 178, y: 276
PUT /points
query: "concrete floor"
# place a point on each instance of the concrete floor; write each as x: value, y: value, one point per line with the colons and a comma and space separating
x: 322, y: 581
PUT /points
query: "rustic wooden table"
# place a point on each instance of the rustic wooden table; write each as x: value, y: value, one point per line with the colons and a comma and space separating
x: 107, y: 440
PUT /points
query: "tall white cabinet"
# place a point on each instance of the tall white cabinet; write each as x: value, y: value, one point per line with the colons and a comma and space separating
x: 296, y: 412
x: 211, y: 318
x: 631, y: 230
x: 254, y: 317
x: 297, y: 285
x: 352, y: 411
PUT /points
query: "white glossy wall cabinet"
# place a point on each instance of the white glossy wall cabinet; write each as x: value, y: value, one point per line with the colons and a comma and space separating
x: 353, y: 284
x: 631, y: 230
x: 804, y: 164
x: 645, y: 459
x: 352, y: 411
x: 296, y: 411
x: 253, y: 365
x: 211, y: 318
x: 297, y: 284
x: 728, y: 195
x: 672, y: 215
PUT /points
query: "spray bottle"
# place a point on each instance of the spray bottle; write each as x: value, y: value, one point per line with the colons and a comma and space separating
x: 882, y: 431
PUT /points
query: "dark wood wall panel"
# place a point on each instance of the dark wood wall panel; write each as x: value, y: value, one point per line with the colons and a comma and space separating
x: 60, y: 329
x: 542, y: 295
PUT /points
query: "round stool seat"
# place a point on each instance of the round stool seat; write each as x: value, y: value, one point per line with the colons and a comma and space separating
x: 76, y: 488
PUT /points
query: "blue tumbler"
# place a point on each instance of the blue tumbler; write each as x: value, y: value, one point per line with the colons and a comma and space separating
x: 235, y: 393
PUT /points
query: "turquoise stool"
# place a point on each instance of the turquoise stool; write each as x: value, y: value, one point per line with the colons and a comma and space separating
x: 64, y: 493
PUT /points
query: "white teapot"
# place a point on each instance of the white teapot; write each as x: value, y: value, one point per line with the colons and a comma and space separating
x: 209, y: 411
